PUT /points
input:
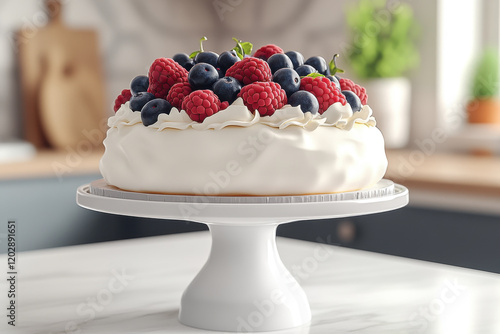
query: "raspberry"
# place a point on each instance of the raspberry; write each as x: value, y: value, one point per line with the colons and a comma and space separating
x: 177, y: 93
x: 124, y: 96
x: 250, y: 70
x: 346, y: 84
x: 163, y: 74
x: 324, y: 90
x: 223, y: 105
x: 200, y: 104
x: 264, y: 97
x: 267, y: 51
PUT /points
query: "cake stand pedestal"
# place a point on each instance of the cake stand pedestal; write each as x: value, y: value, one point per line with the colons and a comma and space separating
x: 244, y: 286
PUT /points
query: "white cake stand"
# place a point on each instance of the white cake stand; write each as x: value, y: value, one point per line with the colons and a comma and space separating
x: 244, y: 286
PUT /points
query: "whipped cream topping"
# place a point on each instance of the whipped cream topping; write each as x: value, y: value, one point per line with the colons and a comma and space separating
x: 237, y: 114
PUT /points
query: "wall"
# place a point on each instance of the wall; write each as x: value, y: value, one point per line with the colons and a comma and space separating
x: 133, y: 33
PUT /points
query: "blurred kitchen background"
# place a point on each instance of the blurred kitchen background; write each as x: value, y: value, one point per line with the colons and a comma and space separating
x: 63, y: 63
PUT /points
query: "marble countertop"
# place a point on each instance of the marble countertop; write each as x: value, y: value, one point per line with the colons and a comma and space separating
x: 135, y: 286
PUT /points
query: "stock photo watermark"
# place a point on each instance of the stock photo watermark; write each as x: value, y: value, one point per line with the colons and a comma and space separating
x: 87, y: 311
x: 300, y: 272
x: 75, y: 156
x: 428, y: 146
x: 247, y: 151
x: 31, y: 25
x: 422, y: 318
x: 223, y: 7
x: 12, y: 269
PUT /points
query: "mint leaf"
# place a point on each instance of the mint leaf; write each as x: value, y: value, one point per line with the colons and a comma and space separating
x: 247, y: 48
x: 193, y: 54
x: 242, y: 48
x: 333, y: 66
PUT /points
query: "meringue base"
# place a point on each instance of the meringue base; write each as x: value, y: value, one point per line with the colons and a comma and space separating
x: 257, y: 160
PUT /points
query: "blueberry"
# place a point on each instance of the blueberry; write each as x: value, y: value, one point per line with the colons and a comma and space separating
x: 139, y: 84
x: 227, y: 89
x: 296, y: 57
x: 307, y: 101
x: 353, y: 100
x: 202, y: 76
x: 139, y: 100
x: 183, y: 60
x: 208, y: 57
x: 319, y: 63
x: 305, y: 70
x: 227, y: 59
x: 222, y: 73
x: 278, y: 61
x: 334, y: 80
x: 151, y: 110
x: 288, y: 79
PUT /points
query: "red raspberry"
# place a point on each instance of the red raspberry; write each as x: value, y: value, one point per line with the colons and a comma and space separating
x: 177, y: 93
x: 250, y: 70
x: 346, y: 84
x: 223, y: 105
x: 324, y: 90
x: 163, y: 74
x: 124, y: 96
x: 267, y: 51
x: 264, y: 97
x: 200, y: 104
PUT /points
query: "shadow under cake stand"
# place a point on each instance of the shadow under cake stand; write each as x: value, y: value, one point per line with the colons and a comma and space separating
x: 243, y: 286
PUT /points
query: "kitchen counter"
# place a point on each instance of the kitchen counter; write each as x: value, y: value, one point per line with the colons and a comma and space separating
x: 135, y: 286
x: 448, y: 181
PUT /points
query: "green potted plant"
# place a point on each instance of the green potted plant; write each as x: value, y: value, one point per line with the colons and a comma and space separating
x: 484, y: 107
x: 382, y: 50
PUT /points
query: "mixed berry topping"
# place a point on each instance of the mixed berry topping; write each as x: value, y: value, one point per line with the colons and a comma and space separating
x: 263, y: 97
x: 204, y: 83
x: 201, y: 104
x: 250, y: 70
x: 163, y: 74
x: 177, y: 94
x: 152, y: 109
x: 346, y: 84
x: 324, y: 90
x: 267, y: 51
x: 124, y: 96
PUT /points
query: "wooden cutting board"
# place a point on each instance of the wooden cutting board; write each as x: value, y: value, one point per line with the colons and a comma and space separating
x: 62, y: 84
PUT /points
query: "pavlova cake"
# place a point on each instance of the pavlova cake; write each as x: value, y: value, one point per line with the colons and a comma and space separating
x: 234, y: 124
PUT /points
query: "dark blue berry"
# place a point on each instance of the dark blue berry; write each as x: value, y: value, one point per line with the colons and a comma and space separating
x: 319, y: 63
x: 202, y: 76
x: 296, y: 57
x: 151, y: 110
x: 227, y: 59
x: 307, y: 101
x: 183, y: 60
x: 334, y: 80
x: 208, y: 57
x: 139, y: 84
x: 305, y: 70
x: 227, y: 89
x: 353, y: 100
x: 278, y: 61
x: 139, y: 100
x: 222, y: 73
x: 288, y: 79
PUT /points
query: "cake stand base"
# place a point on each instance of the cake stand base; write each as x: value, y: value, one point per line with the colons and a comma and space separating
x: 243, y: 286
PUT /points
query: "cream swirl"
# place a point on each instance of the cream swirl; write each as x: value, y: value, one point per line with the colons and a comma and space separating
x: 237, y: 114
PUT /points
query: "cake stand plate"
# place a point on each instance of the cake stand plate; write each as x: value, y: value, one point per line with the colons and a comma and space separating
x: 243, y: 286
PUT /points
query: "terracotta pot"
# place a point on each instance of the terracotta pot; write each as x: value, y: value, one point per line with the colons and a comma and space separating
x: 484, y: 111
